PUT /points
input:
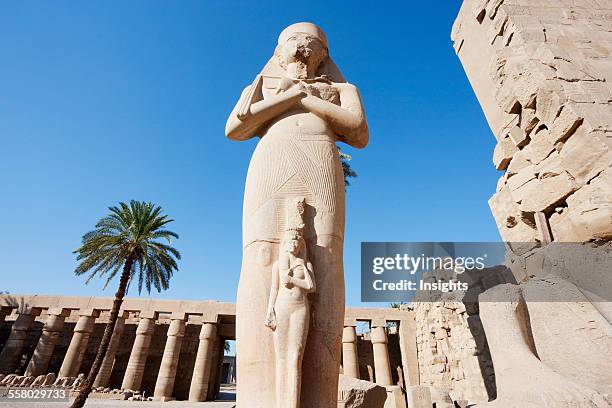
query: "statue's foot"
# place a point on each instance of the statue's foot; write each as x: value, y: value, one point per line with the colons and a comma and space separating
x: 536, y: 385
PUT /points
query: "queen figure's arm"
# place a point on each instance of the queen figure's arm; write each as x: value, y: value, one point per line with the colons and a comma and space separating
x: 348, y: 120
x: 247, y: 118
x: 308, y: 283
x: 270, y: 319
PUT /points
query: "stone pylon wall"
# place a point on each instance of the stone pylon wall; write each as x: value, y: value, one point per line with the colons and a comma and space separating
x: 542, y: 72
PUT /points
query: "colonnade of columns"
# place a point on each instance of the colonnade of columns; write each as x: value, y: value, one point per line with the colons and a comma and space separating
x: 54, y: 324
x: 350, y: 356
x: 217, y: 320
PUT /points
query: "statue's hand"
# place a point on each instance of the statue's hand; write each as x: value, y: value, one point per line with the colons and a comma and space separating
x: 286, y: 279
x: 283, y: 85
x: 271, y: 319
x: 286, y: 84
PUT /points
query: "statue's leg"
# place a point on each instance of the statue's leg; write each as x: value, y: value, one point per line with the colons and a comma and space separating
x: 519, y: 374
x: 254, y: 341
x: 296, y: 341
x: 321, y: 361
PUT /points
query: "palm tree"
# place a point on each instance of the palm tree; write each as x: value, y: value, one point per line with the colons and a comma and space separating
x: 346, y: 167
x: 127, y: 239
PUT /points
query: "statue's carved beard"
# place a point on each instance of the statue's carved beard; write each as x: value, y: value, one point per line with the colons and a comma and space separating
x: 297, y: 66
x: 297, y: 70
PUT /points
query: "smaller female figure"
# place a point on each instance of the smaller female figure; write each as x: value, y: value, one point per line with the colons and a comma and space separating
x: 289, y: 316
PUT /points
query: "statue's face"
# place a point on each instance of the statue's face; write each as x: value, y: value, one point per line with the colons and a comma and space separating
x: 294, y: 246
x: 301, y: 55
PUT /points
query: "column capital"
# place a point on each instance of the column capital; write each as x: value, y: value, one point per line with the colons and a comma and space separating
x: 54, y: 322
x: 146, y: 326
x: 86, y: 323
x: 378, y: 335
x: 177, y: 328
x: 349, y: 335
x: 208, y: 331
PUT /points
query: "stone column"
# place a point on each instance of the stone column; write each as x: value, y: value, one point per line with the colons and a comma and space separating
x: 203, y: 363
x: 78, y: 344
x: 11, y: 353
x: 350, y: 358
x: 164, y: 386
x: 138, y: 358
x: 109, y: 360
x: 382, y: 366
x: 46, y: 343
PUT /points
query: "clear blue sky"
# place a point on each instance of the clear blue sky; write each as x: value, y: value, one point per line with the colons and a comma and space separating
x: 108, y: 101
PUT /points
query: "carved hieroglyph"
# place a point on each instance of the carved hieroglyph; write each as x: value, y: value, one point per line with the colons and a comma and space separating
x: 300, y: 106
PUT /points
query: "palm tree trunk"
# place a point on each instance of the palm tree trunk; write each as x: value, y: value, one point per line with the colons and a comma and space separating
x: 108, y: 333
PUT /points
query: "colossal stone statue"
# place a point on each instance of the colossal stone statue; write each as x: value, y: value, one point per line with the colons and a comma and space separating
x: 300, y: 106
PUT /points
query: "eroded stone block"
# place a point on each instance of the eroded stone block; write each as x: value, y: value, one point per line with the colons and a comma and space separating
x: 354, y: 393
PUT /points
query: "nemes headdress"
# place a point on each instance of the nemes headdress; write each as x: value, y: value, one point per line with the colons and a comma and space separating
x: 302, y: 28
x: 327, y: 68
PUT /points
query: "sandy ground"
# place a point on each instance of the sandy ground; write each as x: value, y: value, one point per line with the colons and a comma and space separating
x: 227, y: 399
x: 122, y: 404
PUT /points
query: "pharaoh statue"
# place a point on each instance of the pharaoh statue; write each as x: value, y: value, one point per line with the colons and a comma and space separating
x: 299, y: 106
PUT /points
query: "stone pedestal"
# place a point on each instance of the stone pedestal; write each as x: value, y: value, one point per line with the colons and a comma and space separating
x: 201, y: 370
x: 138, y: 358
x: 382, y: 366
x: 350, y: 358
x: 78, y: 344
x: 11, y: 353
x: 109, y: 360
x: 164, y: 386
x: 46, y: 343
